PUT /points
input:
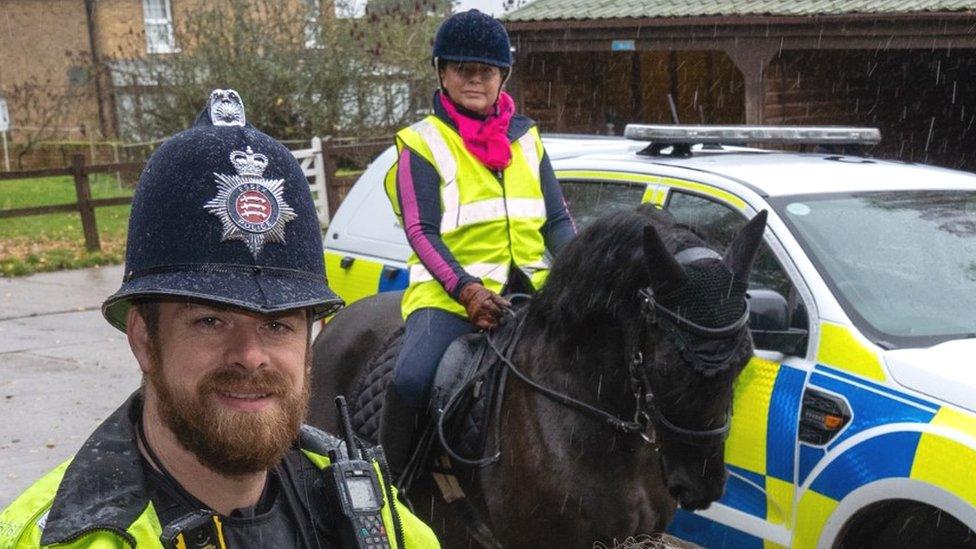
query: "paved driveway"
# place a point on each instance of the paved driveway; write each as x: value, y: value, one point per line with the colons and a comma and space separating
x: 63, y: 369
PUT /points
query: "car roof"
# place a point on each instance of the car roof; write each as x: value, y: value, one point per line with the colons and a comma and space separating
x: 770, y: 173
x: 571, y: 145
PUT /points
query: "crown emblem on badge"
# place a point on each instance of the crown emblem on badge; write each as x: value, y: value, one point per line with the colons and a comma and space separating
x: 249, y: 163
x: 251, y: 208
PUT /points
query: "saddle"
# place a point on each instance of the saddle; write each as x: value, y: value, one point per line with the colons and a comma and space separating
x: 467, y: 389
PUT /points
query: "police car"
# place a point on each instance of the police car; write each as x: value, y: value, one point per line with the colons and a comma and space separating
x: 856, y: 420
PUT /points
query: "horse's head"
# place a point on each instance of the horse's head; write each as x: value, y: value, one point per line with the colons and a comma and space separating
x: 693, y: 341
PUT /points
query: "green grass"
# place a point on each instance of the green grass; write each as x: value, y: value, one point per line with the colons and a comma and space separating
x: 56, y: 241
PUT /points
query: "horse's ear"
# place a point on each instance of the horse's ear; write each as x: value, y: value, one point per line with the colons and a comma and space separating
x: 741, y: 252
x: 660, y: 263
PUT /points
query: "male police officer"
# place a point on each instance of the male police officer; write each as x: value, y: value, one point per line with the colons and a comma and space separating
x: 223, y: 281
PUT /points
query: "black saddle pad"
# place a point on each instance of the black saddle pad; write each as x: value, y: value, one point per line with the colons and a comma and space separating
x: 465, y: 390
x: 366, y: 406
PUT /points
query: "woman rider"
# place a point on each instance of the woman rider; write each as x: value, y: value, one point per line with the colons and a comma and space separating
x: 480, y: 205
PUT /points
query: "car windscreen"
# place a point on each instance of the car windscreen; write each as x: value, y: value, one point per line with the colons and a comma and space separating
x: 901, y: 263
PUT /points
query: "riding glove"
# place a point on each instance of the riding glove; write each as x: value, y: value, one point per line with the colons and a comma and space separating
x: 484, y: 306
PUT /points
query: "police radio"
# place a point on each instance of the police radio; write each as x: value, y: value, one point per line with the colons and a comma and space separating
x: 355, y: 489
x: 195, y: 530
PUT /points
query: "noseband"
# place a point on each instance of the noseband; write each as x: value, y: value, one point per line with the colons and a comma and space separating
x: 675, y: 327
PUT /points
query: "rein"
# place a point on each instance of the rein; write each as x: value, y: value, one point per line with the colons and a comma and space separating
x: 646, y: 407
x: 638, y: 425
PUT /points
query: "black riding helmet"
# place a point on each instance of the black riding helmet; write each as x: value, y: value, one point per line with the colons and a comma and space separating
x: 223, y: 213
x: 473, y: 36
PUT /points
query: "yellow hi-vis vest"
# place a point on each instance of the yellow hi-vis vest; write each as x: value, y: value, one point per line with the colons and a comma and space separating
x: 488, y: 225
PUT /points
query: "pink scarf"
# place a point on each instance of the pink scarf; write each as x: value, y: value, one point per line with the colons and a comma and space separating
x: 486, y: 139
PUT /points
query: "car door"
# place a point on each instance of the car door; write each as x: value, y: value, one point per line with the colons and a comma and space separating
x: 761, y: 453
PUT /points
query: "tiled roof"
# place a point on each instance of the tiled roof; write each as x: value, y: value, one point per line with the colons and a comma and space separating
x: 542, y: 10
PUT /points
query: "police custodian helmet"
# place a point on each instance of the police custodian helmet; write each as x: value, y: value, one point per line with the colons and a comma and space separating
x: 472, y: 36
x: 223, y: 213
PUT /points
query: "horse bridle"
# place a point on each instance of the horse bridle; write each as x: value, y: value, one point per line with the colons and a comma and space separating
x: 646, y: 406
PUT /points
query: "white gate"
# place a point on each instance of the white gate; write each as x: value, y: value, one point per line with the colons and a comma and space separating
x: 313, y: 165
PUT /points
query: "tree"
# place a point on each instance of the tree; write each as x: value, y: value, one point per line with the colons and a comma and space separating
x: 41, y: 110
x: 381, y: 7
x: 300, y: 70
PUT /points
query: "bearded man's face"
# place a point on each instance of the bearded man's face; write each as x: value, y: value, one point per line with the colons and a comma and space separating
x: 232, y: 386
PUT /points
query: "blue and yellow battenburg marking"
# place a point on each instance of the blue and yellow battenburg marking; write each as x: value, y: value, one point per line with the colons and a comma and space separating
x: 766, y: 461
x: 362, y: 277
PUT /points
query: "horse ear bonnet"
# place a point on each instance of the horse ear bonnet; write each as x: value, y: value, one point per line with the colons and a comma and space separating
x: 714, y: 293
x: 223, y: 213
x: 711, y: 296
x: 714, y: 296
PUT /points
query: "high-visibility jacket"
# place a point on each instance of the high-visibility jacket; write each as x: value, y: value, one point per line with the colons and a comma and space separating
x: 96, y: 500
x: 491, y: 222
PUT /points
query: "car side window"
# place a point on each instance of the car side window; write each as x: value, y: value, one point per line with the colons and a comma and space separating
x: 717, y: 224
x: 590, y: 199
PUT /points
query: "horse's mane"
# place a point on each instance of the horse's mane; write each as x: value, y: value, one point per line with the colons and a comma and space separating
x: 597, y: 275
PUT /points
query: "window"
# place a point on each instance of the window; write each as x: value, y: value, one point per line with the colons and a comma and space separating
x: 717, y: 224
x: 901, y: 263
x: 588, y: 200
x: 313, y: 10
x: 4, y: 116
x: 158, y: 19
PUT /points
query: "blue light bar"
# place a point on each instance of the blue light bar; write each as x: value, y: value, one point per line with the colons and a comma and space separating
x: 810, y: 135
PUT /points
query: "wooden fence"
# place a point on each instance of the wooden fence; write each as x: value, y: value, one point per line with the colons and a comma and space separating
x: 353, y: 157
x: 320, y: 163
x: 85, y: 205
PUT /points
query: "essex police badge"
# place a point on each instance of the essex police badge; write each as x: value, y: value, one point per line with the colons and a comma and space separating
x: 251, y: 207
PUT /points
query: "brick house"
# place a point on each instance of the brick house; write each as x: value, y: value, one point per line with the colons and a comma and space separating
x: 908, y: 67
x: 53, y: 43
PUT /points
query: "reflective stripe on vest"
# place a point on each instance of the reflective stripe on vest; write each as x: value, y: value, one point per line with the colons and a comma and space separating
x: 527, y: 143
x: 438, y: 147
x: 489, y: 210
x: 498, y: 273
x: 445, y: 163
x: 533, y: 267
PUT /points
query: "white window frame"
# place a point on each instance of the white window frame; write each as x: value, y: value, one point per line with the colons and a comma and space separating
x: 312, y: 27
x: 153, y: 45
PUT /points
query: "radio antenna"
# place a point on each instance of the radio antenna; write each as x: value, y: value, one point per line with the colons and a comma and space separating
x: 346, y: 425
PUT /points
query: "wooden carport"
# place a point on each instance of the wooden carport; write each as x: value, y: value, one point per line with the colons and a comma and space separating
x: 836, y: 34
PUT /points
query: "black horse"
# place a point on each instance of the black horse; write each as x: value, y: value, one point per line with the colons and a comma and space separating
x: 627, y: 358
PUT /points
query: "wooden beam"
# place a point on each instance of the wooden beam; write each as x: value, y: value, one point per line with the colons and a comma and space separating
x: 89, y: 225
x: 115, y: 167
x: 29, y: 174
x: 54, y: 172
x: 751, y: 58
x: 61, y: 208
x: 39, y: 210
x: 515, y: 27
x: 116, y: 201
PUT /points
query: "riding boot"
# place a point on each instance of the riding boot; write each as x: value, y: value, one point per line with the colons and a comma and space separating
x: 399, y: 427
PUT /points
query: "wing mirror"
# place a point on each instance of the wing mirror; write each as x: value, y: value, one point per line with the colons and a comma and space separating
x: 771, y: 324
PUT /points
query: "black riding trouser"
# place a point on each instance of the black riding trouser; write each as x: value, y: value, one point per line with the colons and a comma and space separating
x: 427, y: 335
